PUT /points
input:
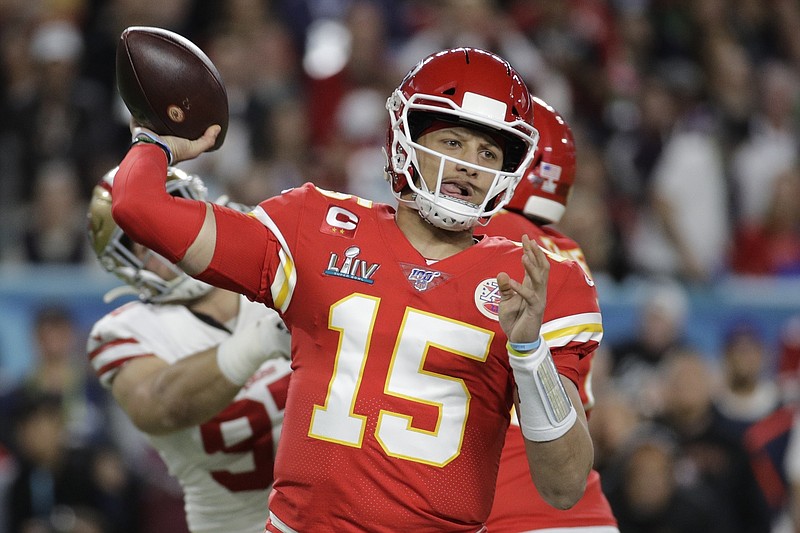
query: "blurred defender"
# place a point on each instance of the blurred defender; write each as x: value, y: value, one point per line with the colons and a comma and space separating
x: 202, y: 371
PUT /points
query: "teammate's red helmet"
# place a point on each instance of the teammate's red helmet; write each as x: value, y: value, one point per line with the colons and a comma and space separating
x: 467, y: 87
x: 543, y: 191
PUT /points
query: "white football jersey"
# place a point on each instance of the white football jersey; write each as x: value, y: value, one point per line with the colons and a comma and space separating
x: 224, y: 465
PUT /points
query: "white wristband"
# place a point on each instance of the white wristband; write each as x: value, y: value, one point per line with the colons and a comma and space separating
x: 241, y: 354
x: 546, y: 412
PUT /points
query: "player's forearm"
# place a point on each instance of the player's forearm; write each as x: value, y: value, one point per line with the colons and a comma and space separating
x: 188, y: 393
x: 561, y: 466
x: 146, y: 212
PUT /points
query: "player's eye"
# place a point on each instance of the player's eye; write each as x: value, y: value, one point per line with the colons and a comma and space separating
x: 451, y: 143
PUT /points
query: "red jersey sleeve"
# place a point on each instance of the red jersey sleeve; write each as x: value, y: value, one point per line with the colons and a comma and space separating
x: 572, y: 325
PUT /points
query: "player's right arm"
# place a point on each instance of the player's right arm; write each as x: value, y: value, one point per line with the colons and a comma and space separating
x: 160, y: 397
x: 182, y: 230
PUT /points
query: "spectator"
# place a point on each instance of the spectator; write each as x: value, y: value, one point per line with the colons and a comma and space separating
x: 770, y: 148
x: 750, y: 408
x: 362, y: 63
x: 709, y: 456
x: 767, y: 441
x: 17, y: 82
x: 59, y: 369
x: 747, y: 394
x: 641, y: 122
x: 770, y: 246
x: 65, y: 116
x: 256, y: 91
x: 636, y: 362
x: 56, y: 479
x: 733, y: 95
x: 789, y: 360
x: 591, y: 221
x: 576, y: 40
x: 282, y: 160
x: 682, y: 228
x: 613, y: 422
x: 646, y: 494
x: 50, y: 230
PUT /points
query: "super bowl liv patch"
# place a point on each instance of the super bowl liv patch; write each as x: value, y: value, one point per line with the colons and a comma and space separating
x: 350, y: 266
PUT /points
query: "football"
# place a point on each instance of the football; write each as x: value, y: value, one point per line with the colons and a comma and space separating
x: 169, y: 84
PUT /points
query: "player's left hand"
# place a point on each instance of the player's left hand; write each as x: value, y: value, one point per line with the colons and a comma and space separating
x: 522, y: 304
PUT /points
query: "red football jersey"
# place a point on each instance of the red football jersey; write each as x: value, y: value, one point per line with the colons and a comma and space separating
x: 401, y: 388
x: 517, y: 504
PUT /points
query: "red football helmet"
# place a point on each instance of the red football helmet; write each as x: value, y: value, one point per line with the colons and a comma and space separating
x: 544, y: 190
x: 468, y: 87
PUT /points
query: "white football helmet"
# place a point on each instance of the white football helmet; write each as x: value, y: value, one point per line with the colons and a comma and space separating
x: 467, y: 87
x: 113, y: 247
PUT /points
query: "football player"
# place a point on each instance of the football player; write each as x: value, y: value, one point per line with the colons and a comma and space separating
x: 539, y: 201
x: 411, y: 337
x: 202, y: 371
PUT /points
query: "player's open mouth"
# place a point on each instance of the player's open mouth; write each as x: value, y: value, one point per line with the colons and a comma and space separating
x: 457, y: 190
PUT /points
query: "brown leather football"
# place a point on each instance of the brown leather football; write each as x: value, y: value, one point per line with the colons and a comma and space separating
x: 169, y: 84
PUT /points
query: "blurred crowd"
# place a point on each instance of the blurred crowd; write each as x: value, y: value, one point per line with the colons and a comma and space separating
x: 687, y: 122
x: 685, y: 112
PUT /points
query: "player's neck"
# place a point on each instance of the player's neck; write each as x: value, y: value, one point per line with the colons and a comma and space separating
x: 431, y: 242
x: 219, y: 304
